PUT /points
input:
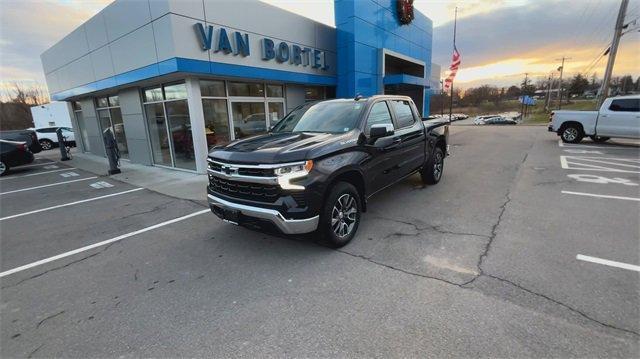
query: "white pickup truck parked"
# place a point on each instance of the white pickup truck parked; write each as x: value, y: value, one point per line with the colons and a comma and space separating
x: 617, y: 117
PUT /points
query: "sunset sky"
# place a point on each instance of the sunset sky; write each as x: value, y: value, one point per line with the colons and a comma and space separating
x: 500, y: 40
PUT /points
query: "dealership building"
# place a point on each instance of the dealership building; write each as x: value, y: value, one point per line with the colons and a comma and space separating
x: 172, y: 78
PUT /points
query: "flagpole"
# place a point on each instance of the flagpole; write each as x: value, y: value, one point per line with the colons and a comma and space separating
x: 455, y: 23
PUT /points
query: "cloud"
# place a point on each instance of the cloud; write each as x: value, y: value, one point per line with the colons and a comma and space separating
x: 533, y: 36
x: 27, y: 28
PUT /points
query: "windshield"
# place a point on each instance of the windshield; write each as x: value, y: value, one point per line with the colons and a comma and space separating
x: 332, y: 117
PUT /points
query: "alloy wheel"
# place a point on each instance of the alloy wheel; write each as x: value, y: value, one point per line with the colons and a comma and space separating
x: 3, y: 168
x: 570, y: 134
x: 438, y: 165
x: 46, y: 145
x: 344, y: 215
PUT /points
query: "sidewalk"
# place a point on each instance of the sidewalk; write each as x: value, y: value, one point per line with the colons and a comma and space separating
x: 180, y: 184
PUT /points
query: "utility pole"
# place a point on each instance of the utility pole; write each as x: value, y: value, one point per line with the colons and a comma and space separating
x: 522, y: 93
x: 613, y: 50
x: 548, y: 99
x: 442, y: 96
x: 561, y: 69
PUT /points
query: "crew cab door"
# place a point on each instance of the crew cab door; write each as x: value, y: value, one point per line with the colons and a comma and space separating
x: 410, y: 130
x: 380, y: 169
x: 620, y: 118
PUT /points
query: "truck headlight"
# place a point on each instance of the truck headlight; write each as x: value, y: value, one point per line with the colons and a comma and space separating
x: 291, y: 172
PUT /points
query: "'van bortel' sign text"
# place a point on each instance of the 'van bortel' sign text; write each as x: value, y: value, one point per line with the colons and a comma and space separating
x: 238, y: 44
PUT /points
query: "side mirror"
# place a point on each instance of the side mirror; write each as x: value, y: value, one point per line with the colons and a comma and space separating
x: 380, y: 130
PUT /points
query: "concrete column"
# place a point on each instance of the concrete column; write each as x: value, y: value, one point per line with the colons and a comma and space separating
x: 135, y: 128
x: 196, y: 114
x: 76, y: 129
x: 94, y: 132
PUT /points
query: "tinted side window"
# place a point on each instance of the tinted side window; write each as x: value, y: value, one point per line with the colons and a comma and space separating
x: 46, y: 130
x: 403, y: 113
x: 625, y: 105
x: 379, y: 115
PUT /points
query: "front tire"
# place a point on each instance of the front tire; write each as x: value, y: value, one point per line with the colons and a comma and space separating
x: 571, y: 134
x: 4, y: 168
x: 340, y: 216
x: 46, y: 145
x: 599, y: 139
x: 431, y: 173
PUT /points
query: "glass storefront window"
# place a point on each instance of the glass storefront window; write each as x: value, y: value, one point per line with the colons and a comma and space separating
x: 216, y: 121
x: 104, y: 119
x: 118, y: 131
x: 103, y: 102
x: 276, y: 112
x: 158, y: 136
x: 180, y: 129
x: 313, y: 93
x: 153, y: 94
x: 175, y: 91
x: 114, y: 101
x: 248, y: 119
x: 274, y: 91
x: 212, y: 88
x: 246, y: 89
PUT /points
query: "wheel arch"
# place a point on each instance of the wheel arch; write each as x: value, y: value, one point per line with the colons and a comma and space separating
x: 568, y: 123
x: 354, y: 177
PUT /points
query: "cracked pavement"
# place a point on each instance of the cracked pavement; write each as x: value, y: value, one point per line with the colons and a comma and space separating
x: 482, y: 264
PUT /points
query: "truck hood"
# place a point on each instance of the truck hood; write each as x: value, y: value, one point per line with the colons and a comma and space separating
x: 279, y: 147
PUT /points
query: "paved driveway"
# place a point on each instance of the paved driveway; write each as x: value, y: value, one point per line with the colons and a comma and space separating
x: 483, y: 264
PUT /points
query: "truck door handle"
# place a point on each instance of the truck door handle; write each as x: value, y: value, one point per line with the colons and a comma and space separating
x: 397, y: 140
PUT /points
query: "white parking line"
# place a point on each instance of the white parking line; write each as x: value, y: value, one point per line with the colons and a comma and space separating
x: 48, y: 185
x: 38, y: 164
x: 583, y: 163
x: 607, y: 262
x: 586, y: 145
x: 69, y: 204
x: 99, y: 244
x: 37, y: 174
x: 602, y: 196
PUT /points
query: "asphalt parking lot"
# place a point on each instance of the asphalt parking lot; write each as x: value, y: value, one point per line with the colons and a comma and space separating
x: 526, y: 248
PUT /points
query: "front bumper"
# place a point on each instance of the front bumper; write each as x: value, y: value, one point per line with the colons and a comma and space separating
x: 287, y: 226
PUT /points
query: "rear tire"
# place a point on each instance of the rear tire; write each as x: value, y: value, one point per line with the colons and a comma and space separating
x: 46, y: 145
x: 4, y: 168
x: 431, y: 173
x: 571, y: 133
x: 599, y: 139
x: 340, y: 215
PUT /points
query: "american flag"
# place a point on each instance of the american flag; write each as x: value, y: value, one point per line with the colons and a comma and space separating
x: 455, y: 64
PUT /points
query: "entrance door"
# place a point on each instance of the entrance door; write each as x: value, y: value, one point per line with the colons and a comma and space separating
x: 248, y: 118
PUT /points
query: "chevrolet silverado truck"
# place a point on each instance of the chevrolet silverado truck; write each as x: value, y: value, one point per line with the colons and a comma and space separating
x: 617, y: 117
x: 315, y: 170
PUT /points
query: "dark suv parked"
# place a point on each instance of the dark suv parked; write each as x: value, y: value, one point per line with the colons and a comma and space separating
x: 318, y: 166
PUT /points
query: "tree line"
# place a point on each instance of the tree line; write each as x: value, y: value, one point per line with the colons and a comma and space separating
x: 16, y: 101
x: 576, y: 86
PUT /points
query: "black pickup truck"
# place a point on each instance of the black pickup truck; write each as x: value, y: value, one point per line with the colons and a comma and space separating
x: 316, y: 169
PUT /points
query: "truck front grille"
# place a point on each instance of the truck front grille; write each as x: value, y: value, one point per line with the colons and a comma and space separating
x: 245, y: 190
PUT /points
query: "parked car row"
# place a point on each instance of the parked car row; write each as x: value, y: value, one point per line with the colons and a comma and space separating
x: 48, y: 137
x: 508, y: 118
x: 454, y: 117
x: 12, y: 154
